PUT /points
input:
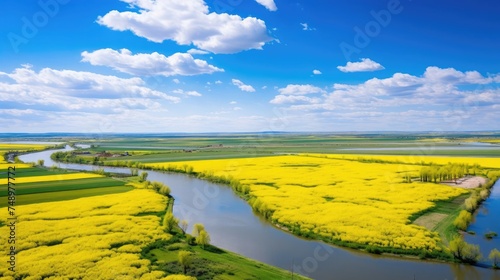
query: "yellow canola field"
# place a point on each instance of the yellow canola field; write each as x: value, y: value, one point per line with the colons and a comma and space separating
x: 6, y: 147
x: 57, y: 177
x: 342, y: 200
x: 87, y: 238
x: 16, y: 165
x: 21, y: 147
x: 417, y: 159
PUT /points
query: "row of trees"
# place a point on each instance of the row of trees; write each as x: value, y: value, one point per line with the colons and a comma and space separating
x: 158, y: 187
x: 465, y: 252
x: 450, y: 171
x: 473, y: 202
x: 471, y: 253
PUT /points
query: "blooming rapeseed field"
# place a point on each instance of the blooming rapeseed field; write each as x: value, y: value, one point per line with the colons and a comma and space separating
x: 21, y: 147
x: 419, y: 159
x: 87, y: 238
x: 6, y: 147
x: 351, y: 201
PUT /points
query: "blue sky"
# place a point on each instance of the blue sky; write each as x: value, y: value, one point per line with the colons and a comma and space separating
x: 249, y: 65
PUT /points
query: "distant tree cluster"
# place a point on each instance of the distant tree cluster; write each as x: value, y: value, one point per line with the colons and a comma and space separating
x: 450, y: 171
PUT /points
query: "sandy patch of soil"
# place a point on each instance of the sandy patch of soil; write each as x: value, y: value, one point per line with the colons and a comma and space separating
x: 468, y: 182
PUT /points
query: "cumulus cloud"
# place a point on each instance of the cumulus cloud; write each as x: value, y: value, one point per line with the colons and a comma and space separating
x: 190, y: 23
x: 305, y: 27
x: 196, y: 51
x: 282, y: 99
x: 269, y: 4
x: 187, y: 93
x: 317, y: 72
x: 439, y: 99
x: 153, y: 64
x: 296, y: 94
x: 242, y: 86
x: 450, y: 75
x: 300, y: 90
x: 73, y: 90
x: 365, y: 65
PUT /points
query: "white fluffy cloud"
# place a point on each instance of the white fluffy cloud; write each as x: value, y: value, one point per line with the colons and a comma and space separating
x: 439, y: 99
x: 365, y: 65
x: 60, y: 90
x: 436, y: 87
x: 187, y: 93
x: 149, y: 64
x: 242, y: 86
x: 300, y: 90
x: 317, y: 72
x: 189, y: 22
x: 296, y: 94
x: 196, y: 51
x: 283, y: 99
x: 269, y: 4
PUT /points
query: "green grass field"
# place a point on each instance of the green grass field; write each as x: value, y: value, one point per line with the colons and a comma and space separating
x: 67, y: 185
x: 241, y: 146
x: 211, y: 263
x: 63, y: 195
x: 448, y: 210
x: 38, y: 192
x: 36, y: 171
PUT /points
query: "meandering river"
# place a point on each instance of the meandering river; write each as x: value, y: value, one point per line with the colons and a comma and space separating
x: 235, y: 227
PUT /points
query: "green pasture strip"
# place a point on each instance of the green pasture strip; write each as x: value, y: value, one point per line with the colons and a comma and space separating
x: 64, y: 195
x: 452, y: 208
x: 182, y: 156
x: 36, y: 171
x: 66, y: 185
x: 220, y: 264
